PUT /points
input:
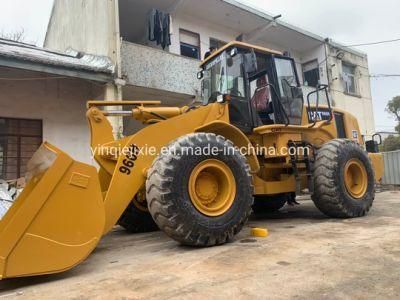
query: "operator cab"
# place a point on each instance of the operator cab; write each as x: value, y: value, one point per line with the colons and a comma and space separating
x: 262, y: 85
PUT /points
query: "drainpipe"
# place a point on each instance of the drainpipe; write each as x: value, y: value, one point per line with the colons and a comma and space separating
x: 114, y: 89
x: 118, y: 43
x: 326, y: 45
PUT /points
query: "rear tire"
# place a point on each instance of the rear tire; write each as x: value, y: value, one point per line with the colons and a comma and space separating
x: 343, y: 180
x: 171, y: 200
x: 136, y: 218
x: 268, y: 204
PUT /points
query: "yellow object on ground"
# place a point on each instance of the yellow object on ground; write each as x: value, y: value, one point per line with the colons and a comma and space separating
x: 259, y: 232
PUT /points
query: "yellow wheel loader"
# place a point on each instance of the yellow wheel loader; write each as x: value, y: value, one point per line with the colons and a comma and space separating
x: 199, y: 169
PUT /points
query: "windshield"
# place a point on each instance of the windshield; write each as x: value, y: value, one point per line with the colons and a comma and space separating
x: 223, y: 75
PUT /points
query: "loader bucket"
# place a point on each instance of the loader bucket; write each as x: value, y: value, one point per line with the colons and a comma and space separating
x: 56, y: 221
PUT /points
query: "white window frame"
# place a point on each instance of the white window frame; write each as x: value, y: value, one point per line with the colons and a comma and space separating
x: 346, y: 74
x: 196, y: 45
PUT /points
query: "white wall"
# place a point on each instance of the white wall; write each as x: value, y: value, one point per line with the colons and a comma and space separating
x: 317, y: 53
x: 90, y: 26
x: 60, y: 104
x: 361, y: 105
x: 85, y: 25
x: 205, y: 29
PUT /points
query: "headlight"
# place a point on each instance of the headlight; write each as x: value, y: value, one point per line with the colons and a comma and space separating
x: 41, y: 160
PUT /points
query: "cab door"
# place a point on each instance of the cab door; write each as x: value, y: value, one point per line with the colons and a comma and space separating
x: 289, y: 91
x: 236, y: 86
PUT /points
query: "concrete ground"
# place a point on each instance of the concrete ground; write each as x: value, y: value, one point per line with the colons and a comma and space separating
x: 306, y: 255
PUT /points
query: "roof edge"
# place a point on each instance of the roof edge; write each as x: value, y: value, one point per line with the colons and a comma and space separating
x: 55, y: 70
x: 345, y: 48
x: 256, y: 11
x: 263, y: 14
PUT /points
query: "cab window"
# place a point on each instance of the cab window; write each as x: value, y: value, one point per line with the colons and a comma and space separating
x: 235, y: 80
x: 223, y: 75
x: 286, y: 76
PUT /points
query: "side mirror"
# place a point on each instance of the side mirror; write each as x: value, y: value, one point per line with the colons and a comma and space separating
x: 250, y: 62
x: 200, y: 74
x: 377, y: 138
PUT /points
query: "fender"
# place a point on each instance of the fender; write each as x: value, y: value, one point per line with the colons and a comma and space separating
x: 237, y: 137
x: 377, y: 165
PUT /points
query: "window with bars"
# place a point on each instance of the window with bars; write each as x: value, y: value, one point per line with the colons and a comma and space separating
x: 19, y: 139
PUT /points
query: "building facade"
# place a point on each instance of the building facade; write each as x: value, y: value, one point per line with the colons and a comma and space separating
x: 146, y: 70
x: 43, y: 96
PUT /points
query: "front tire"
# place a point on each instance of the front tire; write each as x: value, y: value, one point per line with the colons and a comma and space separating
x: 202, y: 199
x: 343, y: 180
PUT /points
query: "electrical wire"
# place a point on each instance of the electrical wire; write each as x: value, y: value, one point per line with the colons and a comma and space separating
x: 383, y: 75
x: 374, y: 43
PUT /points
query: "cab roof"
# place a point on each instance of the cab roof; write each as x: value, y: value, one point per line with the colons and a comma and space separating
x: 239, y: 45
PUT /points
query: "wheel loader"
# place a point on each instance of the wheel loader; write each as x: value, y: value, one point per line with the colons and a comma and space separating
x: 195, y: 171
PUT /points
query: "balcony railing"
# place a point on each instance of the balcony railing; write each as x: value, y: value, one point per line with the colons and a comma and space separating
x: 153, y: 68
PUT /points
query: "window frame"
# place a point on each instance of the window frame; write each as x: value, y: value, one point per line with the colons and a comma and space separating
x: 279, y: 87
x: 181, y: 30
x: 218, y: 42
x: 18, y: 135
x: 278, y: 115
x: 303, y: 71
x: 345, y: 87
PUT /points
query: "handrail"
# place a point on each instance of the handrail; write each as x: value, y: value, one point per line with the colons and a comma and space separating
x: 320, y: 87
x: 378, y: 135
x: 92, y: 103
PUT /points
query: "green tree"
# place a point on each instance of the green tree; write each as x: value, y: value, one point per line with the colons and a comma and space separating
x: 391, y: 143
x: 393, y: 107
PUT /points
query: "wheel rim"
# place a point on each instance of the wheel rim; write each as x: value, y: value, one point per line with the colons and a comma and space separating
x: 355, y: 178
x: 212, y: 187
